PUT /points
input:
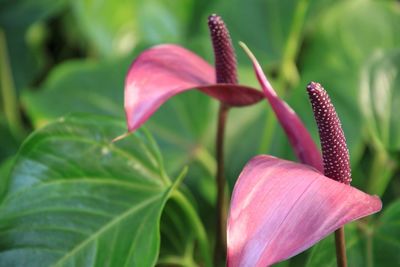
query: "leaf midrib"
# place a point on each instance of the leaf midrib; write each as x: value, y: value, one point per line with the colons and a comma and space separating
x: 105, y: 228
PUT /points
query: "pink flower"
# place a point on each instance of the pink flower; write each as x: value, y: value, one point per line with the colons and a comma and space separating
x: 280, y: 208
x: 166, y: 70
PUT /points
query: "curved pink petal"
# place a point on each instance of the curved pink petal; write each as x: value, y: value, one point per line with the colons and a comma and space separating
x: 166, y: 70
x: 280, y: 208
x: 300, y: 139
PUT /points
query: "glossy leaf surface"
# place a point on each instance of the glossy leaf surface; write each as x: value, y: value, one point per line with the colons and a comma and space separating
x: 280, y: 208
x: 76, y: 199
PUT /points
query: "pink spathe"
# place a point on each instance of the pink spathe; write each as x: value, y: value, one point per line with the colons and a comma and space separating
x: 166, y: 70
x: 280, y: 208
x: 299, y: 137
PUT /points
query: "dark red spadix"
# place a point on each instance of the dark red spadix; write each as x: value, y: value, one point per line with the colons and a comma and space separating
x: 333, y: 142
x: 225, y: 57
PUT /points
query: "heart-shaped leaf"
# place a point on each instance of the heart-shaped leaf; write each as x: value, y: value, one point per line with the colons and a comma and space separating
x: 280, y: 208
x: 77, y: 199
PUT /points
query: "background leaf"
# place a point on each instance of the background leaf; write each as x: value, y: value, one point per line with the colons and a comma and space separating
x: 323, y: 254
x: 16, y: 18
x: 386, y: 243
x: 79, y: 86
x: 116, y: 27
x: 380, y: 98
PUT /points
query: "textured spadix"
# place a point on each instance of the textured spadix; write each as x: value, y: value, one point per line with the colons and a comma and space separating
x: 166, y: 70
x: 280, y: 208
x: 299, y: 137
x: 333, y: 142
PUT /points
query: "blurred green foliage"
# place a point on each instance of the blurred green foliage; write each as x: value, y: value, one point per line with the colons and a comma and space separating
x: 70, y: 56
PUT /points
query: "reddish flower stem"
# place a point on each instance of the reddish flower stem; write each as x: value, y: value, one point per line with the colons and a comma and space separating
x: 220, y: 242
x: 226, y: 72
x: 340, y: 243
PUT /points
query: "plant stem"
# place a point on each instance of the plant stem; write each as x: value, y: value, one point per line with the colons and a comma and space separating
x: 8, y: 91
x: 220, y: 243
x: 340, y: 242
x: 197, y: 225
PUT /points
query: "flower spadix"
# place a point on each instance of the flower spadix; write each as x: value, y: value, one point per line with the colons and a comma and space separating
x: 280, y: 208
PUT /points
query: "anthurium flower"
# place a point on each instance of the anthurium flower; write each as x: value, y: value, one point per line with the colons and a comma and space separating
x: 163, y: 71
x: 280, y: 208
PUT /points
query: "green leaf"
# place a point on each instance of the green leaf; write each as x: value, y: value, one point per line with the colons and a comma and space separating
x: 386, y: 237
x: 79, y: 86
x: 5, y: 169
x: 15, y: 18
x: 323, y: 254
x: 8, y: 143
x: 380, y: 98
x: 178, y: 239
x: 248, y: 18
x: 77, y: 199
x: 116, y: 27
x: 27, y: 11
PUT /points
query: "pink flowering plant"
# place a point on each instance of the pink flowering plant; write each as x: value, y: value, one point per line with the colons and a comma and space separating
x: 267, y: 180
x: 272, y: 198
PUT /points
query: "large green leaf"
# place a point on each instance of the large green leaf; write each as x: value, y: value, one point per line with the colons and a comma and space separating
x: 380, y: 98
x: 77, y: 199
